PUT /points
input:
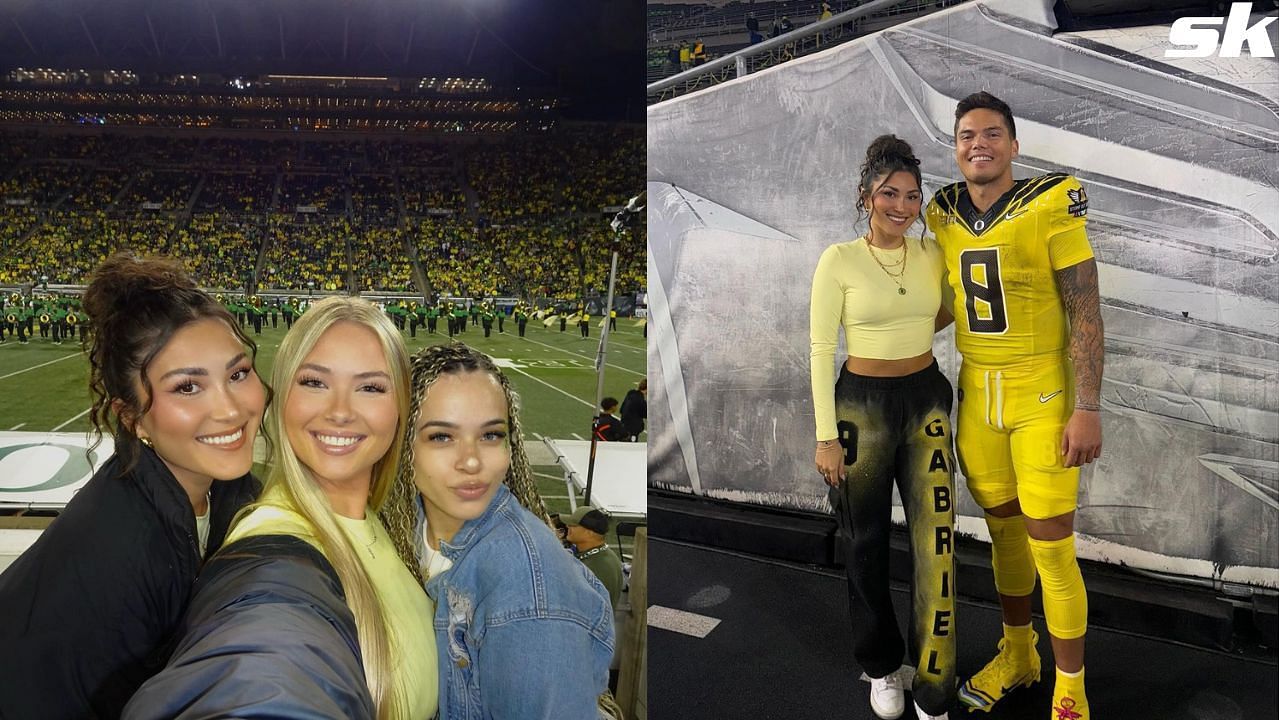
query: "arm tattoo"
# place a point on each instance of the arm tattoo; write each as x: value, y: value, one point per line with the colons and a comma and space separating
x: 1078, y: 287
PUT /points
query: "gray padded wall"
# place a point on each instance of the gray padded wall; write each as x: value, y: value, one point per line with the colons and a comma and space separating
x: 750, y: 180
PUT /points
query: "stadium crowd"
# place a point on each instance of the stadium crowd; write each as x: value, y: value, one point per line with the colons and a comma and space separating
x: 492, y: 218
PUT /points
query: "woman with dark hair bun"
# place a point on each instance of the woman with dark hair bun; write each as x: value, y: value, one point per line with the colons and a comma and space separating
x: 89, y: 609
x: 887, y: 421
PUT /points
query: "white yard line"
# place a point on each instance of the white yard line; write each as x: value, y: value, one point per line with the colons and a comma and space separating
x: 637, y: 348
x: 18, y: 426
x: 77, y: 417
x: 33, y: 367
x: 587, y: 357
x: 576, y: 436
x: 553, y: 387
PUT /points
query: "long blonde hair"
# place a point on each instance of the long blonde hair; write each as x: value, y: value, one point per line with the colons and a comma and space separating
x: 294, y: 485
x: 428, y: 364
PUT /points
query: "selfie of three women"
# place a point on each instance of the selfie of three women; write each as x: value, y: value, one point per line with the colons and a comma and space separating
x: 391, y: 558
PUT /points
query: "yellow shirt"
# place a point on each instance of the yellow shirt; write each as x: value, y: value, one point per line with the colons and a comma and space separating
x: 409, y: 611
x: 851, y: 290
x: 1001, y: 264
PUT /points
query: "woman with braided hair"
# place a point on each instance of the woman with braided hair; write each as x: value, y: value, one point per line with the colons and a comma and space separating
x: 523, y: 630
x: 310, y: 610
x: 887, y: 421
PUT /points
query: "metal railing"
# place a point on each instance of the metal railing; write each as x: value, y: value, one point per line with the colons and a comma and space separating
x: 733, y: 18
x: 800, y: 41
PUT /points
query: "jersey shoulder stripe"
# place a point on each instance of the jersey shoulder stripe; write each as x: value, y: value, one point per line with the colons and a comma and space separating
x: 953, y: 202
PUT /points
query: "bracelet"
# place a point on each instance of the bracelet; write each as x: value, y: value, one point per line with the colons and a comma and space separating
x: 1091, y: 407
x: 826, y: 444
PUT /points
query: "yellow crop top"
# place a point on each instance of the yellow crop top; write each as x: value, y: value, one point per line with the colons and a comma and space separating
x: 851, y: 290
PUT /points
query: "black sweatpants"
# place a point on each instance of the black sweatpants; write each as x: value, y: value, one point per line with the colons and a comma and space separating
x: 898, y: 429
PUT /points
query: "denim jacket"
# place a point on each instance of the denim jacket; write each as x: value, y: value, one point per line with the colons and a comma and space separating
x: 523, y: 629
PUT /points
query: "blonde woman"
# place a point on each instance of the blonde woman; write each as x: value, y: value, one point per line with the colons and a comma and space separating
x: 523, y: 630
x: 310, y: 610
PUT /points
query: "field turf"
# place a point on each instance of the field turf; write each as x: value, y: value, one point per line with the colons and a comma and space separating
x: 44, y: 387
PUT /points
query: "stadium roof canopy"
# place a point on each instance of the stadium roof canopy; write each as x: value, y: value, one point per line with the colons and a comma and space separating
x: 583, y: 48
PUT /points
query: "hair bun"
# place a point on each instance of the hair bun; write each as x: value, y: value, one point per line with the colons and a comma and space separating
x: 889, y: 148
x: 886, y: 154
x: 125, y: 280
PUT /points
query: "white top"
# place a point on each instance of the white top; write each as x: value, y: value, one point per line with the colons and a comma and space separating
x: 202, y: 525
x: 433, y: 561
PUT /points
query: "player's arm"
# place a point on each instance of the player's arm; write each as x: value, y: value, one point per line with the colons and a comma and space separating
x: 948, y: 296
x: 944, y: 316
x: 943, y: 319
x: 1078, y: 288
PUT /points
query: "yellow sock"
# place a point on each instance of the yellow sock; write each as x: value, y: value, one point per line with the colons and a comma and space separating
x: 1066, y: 604
x: 1069, y: 701
x: 1011, y: 561
x: 1020, y: 640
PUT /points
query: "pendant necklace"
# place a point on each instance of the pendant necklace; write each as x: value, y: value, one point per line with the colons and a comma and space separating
x: 373, y: 538
x: 892, y: 276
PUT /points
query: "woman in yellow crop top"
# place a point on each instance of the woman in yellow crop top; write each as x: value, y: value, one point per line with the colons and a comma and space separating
x: 888, y: 420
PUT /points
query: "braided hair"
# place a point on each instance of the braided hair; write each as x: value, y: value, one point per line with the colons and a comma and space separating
x: 886, y: 155
x: 428, y: 364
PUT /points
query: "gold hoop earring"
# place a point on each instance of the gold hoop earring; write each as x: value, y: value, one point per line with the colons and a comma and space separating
x: 147, y: 442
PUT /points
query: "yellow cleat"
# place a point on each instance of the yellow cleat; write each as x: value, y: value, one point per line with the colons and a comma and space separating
x: 1005, y: 672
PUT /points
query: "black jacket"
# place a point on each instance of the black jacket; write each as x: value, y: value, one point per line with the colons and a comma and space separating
x: 608, y: 427
x: 634, y: 411
x: 268, y: 635
x: 89, y: 609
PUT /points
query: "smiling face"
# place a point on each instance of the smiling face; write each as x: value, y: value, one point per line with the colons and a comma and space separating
x: 207, y: 403
x: 894, y: 204
x: 340, y: 413
x: 460, y: 449
x: 985, y: 147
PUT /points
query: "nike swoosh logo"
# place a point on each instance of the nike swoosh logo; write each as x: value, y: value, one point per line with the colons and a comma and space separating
x: 1046, y: 398
x: 1010, y: 216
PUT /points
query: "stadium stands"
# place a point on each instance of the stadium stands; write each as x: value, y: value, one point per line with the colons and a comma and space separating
x: 483, y: 218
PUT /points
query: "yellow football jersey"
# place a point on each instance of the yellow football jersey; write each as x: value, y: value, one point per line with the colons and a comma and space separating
x: 1001, y: 263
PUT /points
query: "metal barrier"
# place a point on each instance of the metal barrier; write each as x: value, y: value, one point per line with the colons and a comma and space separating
x: 774, y: 51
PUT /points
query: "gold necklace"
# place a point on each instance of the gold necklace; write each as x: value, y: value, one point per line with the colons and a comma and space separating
x: 373, y: 538
x: 892, y: 276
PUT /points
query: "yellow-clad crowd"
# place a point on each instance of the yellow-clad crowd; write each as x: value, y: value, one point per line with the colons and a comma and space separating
x: 513, y: 216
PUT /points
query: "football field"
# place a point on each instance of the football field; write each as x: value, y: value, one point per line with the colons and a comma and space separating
x: 44, y: 387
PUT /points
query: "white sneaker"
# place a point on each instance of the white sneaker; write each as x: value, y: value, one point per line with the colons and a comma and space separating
x: 922, y: 715
x: 886, y: 697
